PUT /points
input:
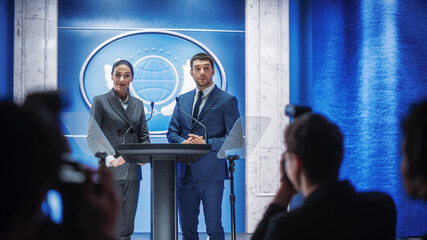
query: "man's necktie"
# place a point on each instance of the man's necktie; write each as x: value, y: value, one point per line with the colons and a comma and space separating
x: 197, y: 106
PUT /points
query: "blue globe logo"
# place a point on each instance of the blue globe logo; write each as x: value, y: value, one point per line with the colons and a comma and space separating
x: 162, y: 70
x: 155, y: 80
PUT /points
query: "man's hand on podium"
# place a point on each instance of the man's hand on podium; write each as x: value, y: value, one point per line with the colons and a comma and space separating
x: 194, y: 139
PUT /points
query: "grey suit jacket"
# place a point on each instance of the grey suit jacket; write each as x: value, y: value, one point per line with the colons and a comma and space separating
x: 114, y: 121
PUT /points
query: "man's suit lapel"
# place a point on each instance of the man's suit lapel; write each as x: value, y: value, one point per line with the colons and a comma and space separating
x: 117, y: 107
x: 215, y: 93
x: 187, y: 106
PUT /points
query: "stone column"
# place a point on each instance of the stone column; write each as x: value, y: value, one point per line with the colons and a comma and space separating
x: 35, y: 47
x: 267, y: 94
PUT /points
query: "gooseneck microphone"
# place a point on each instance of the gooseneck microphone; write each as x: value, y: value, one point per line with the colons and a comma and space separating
x: 201, y: 124
x: 151, y: 115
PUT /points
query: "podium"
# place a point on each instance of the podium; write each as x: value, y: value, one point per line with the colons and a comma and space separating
x: 163, y: 158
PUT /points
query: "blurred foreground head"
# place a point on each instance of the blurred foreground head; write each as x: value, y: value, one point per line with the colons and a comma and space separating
x: 414, y: 151
x: 319, y: 144
x: 31, y: 148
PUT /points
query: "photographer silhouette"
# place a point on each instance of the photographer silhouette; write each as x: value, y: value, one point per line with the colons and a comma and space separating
x: 33, y: 155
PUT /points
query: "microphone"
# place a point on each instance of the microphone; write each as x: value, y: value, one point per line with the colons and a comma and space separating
x: 201, y: 124
x: 151, y: 115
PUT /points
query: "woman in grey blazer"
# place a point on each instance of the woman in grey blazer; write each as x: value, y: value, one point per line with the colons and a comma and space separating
x: 116, y: 113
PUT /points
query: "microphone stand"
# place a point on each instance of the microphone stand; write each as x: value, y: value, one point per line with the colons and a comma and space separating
x: 151, y: 115
x: 231, y: 164
x: 101, y: 163
x: 198, y: 122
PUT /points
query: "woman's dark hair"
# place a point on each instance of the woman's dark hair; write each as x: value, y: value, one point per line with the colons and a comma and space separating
x: 122, y: 62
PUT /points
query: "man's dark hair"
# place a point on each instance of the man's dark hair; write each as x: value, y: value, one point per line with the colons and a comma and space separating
x: 414, y: 128
x: 202, y: 56
x: 319, y: 144
x: 122, y: 62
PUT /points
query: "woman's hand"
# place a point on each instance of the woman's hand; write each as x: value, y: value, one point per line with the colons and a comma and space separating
x: 117, y: 162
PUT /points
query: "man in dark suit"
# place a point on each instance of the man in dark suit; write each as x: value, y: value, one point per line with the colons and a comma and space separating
x: 121, y: 117
x: 332, y: 209
x: 202, y: 181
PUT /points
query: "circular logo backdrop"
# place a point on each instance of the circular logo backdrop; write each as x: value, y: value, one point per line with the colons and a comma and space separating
x: 161, y: 61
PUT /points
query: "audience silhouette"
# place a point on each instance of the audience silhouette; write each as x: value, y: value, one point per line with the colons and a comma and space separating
x: 34, y: 157
x: 332, y: 209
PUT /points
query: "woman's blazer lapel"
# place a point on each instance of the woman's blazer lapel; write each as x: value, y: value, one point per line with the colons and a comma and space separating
x: 117, y: 107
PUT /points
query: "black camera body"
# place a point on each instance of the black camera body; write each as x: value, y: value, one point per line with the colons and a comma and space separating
x: 71, y: 180
x: 294, y: 111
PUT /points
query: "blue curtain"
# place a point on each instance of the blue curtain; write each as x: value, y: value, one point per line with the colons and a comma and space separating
x: 368, y: 65
x: 6, y: 49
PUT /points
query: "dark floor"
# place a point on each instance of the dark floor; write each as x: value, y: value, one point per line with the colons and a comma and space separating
x: 202, y: 236
x: 239, y: 236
